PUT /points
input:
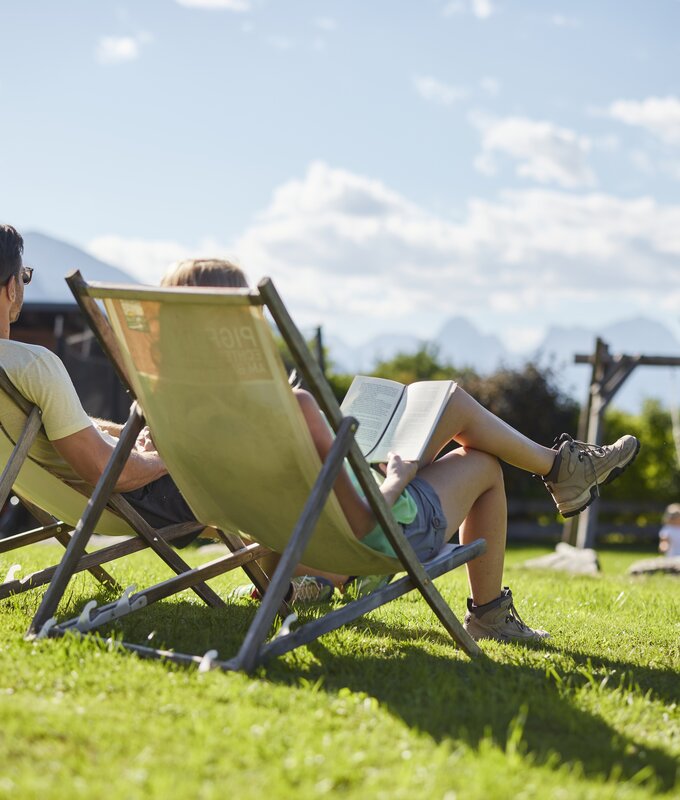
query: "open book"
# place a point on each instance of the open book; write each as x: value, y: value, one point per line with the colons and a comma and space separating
x: 393, y: 417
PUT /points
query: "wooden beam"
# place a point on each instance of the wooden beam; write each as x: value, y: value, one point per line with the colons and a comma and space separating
x: 645, y: 361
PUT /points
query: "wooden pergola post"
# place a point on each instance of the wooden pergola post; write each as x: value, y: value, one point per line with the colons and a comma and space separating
x: 608, y: 375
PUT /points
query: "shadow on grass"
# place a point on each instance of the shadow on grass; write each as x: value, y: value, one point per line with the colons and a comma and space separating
x: 459, y: 699
x: 449, y: 698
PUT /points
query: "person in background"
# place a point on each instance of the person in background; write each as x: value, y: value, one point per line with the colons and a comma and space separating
x: 669, y: 535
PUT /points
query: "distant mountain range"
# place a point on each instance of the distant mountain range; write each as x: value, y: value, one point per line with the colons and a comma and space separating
x: 459, y: 342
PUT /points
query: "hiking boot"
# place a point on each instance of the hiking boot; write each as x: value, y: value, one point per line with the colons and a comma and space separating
x: 310, y: 589
x: 580, y: 469
x: 499, y: 620
x: 303, y: 590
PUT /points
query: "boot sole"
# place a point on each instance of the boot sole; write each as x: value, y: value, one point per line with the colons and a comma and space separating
x: 489, y: 637
x: 593, y: 491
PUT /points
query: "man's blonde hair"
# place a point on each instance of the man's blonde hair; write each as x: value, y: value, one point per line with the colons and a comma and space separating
x: 205, y: 272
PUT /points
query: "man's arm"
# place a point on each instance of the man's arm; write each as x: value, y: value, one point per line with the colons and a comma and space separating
x: 113, y: 428
x: 87, y: 453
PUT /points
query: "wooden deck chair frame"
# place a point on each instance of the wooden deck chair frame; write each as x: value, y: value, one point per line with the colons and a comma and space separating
x: 254, y: 649
x: 62, y: 507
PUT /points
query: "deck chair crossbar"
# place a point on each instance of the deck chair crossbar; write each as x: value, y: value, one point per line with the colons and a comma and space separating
x: 320, y: 506
x: 450, y: 558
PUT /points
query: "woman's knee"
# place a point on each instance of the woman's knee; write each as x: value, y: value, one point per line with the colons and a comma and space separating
x: 309, y: 407
x: 304, y: 398
x: 488, y: 465
x: 465, y: 467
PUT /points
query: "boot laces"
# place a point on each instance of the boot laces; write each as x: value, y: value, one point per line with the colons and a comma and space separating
x: 586, y: 453
x: 513, y: 616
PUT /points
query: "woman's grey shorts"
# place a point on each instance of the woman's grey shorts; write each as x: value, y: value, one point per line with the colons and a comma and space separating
x: 428, y: 530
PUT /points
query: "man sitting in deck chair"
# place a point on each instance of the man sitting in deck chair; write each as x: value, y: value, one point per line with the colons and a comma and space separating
x: 462, y: 490
x: 77, y: 448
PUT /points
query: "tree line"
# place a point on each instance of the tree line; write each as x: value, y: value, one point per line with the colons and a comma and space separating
x: 530, y: 399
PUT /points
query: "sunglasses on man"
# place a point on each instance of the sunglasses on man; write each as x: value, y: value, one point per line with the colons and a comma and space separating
x: 25, y: 274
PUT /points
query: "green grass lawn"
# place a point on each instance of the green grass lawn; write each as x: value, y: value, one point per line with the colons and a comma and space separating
x: 385, y: 708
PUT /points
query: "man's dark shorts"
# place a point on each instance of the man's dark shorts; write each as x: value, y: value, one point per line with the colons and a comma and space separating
x: 160, y: 503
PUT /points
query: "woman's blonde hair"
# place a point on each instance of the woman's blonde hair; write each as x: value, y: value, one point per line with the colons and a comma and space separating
x: 205, y: 272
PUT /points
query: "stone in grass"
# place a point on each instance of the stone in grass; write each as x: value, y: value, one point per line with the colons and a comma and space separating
x: 566, y: 558
x: 662, y: 564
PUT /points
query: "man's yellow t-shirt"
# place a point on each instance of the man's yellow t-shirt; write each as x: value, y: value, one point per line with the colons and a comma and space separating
x: 39, y: 375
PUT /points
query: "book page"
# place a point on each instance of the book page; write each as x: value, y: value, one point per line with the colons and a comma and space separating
x: 372, y: 401
x: 411, y: 427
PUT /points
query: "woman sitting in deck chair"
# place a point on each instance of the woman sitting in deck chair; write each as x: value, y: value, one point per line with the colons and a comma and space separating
x: 461, y: 491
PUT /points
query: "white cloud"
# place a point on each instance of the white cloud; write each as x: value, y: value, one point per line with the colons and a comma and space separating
x: 347, y: 251
x: 544, y: 152
x: 659, y: 115
x: 146, y: 259
x: 229, y: 5
x: 436, y: 91
x: 345, y: 248
x: 118, y: 49
x: 482, y: 9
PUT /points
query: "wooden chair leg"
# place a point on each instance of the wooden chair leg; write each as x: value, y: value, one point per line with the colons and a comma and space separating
x: 248, y: 656
x: 102, y: 556
x: 253, y: 570
x: 86, y: 526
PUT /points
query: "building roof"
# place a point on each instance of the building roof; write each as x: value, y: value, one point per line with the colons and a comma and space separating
x: 53, y: 260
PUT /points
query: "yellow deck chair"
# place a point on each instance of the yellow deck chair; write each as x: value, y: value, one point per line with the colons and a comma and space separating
x: 205, y: 367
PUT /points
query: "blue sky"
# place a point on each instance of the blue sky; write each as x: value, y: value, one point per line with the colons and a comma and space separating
x: 390, y: 164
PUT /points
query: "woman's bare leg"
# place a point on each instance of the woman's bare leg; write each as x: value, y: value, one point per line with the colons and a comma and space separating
x: 270, y: 562
x: 470, y: 487
x: 467, y: 422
